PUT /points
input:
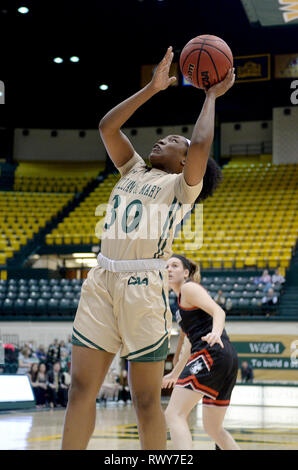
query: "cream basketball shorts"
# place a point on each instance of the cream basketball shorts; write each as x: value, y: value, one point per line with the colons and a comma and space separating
x: 125, y: 310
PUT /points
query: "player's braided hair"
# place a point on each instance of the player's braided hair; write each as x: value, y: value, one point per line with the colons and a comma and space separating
x: 212, y: 178
x: 192, y: 267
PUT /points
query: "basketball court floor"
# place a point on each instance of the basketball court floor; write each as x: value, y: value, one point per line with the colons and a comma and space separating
x: 253, y: 427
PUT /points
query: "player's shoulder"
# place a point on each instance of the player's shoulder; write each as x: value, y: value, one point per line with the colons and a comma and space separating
x: 191, y: 288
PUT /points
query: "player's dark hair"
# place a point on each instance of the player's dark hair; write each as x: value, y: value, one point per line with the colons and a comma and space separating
x: 212, y: 179
x: 192, y: 267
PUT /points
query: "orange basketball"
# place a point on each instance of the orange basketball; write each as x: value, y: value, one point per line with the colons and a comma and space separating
x: 205, y: 60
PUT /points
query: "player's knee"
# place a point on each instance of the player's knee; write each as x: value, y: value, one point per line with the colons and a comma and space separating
x: 212, y: 430
x: 78, y: 388
x: 145, y: 401
x: 170, y: 416
x: 173, y: 415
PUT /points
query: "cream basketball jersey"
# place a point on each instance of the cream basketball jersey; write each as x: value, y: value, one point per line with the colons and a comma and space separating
x: 143, y: 211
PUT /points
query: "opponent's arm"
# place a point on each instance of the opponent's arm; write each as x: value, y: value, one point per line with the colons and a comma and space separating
x: 196, y: 296
x: 117, y: 144
x: 179, y: 347
x: 203, y: 133
x: 170, y: 379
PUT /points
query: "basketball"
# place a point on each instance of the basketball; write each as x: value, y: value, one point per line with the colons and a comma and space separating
x: 205, y: 60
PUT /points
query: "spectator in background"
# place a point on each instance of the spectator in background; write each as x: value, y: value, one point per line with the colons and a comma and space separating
x: 42, y: 383
x: 265, y: 278
x: 53, y: 353
x: 124, y: 391
x: 277, y: 278
x: 69, y: 345
x: 247, y: 374
x: 229, y: 304
x: 64, y: 360
x: 38, y: 379
x: 110, y: 387
x: 11, y: 354
x: 32, y: 373
x: 41, y: 353
x: 220, y: 299
x: 264, y: 282
x: 26, y: 359
x: 62, y: 347
x: 57, y: 388
x: 270, y: 298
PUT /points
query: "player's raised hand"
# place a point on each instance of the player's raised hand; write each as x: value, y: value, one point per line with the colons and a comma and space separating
x: 222, y: 87
x: 161, y: 80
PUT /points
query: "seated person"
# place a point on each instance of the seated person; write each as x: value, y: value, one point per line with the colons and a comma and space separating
x: 247, y: 374
x: 270, y: 298
x: 57, y: 387
x: 219, y: 298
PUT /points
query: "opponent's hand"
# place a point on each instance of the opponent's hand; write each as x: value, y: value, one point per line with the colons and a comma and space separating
x: 212, y: 338
x: 168, y: 381
x: 222, y: 87
x: 161, y: 79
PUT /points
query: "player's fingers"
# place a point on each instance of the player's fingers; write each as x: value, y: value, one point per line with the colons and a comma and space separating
x: 167, y: 54
x: 169, y: 384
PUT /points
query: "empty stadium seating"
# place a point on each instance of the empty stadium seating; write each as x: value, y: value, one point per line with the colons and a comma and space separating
x: 39, y: 297
x: 34, y: 298
x: 79, y: 226
x: 55, y: 177
x: 41, y: 191
x: 251, y: 220
x: 22, y: 215
x: 243, y: 296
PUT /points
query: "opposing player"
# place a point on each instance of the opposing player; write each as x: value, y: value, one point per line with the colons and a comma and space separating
x: 208, y: 365
x: 123, y: 304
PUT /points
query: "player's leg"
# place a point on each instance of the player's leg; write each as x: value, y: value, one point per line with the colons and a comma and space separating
x: 88, y: 370
x: 145, y: 383
x: 213, y: 417
x: 181, y: 403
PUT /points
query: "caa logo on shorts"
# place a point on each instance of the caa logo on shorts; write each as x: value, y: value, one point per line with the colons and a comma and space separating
x: 137, y: 281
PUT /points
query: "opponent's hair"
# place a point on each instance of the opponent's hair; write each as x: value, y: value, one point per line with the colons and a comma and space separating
x: 192, y: 267
x: 212, y: 178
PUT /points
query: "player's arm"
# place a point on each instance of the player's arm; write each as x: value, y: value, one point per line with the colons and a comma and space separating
x: 179, y: 347
x: 170, y: 379
x: 196, y: 296
x: 117, y: 144
x: 203, y: 133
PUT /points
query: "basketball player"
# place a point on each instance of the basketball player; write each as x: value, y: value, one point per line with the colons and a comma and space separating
x: 208, y: 366
x: 123, y: 304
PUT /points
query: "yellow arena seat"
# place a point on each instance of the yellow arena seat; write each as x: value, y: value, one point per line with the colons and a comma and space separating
x: 254, y: 210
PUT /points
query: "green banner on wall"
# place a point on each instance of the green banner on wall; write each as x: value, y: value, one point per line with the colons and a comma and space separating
x: 257, y: 347
x: 271, y: 12
x: 270, y: 362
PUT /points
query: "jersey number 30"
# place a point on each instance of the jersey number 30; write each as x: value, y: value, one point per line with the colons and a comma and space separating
x: 137, y: 204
